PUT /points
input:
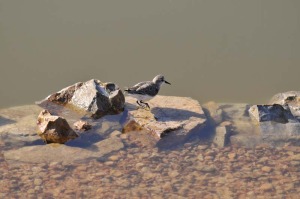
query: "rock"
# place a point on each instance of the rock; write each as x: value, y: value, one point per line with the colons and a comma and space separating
x: 291, y: 99
x: 172, y: 117
x: 275, y: 113
x: 173, y: 174
x: 208, y: 169
x: 232, y: 156
x: 278, y: 133
x: 19, y: 120
x: 37, y: 182
x: 53, y: 153
x: 65, y: 95
x: 286, y: 98
x: 54, y: 129
x: 266, y: 169
x: 93, y: 96
x: 276, y: 124
x: 266, y: 187
x: 82, y: 125
x: 221, y: 138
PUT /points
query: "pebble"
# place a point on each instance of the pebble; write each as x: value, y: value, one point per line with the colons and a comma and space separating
x: 38, y: 182
x: 232, y: 156
x: 173, y: 174
x: 208, y: 169
x: 56, y: 176
x: 30, y: 191
x: 200, y: 157
x: 53, y: 164
x: 266, y: 187
x: 266, y: 169
x: 117, y: 173
x: 202, y: 147
x: 109, y: 163
x: 114, y: 158
x: 139, y: 165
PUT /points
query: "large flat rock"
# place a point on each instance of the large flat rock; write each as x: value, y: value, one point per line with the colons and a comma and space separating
x: 169, y: 116
x: 19, y: 120
x: 63, y: 153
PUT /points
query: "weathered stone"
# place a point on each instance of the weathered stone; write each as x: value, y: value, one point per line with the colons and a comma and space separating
x: 93, y: 96
x: 173, y: 117
x: 232, y: 156
x: 221, y: 138
x: 275, y: 113
x: 63, y: 153
x: 266, y: 187
x: 54, y: 129
x: 286, y: 98
x: 65, y: 95
x: 82, y: 125
x: 266, y: 169
x: 278, y: 133
x: 208, y: 169
x: 291, y: 99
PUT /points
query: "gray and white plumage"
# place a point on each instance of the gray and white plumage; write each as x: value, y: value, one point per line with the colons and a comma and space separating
x: 145, y: 91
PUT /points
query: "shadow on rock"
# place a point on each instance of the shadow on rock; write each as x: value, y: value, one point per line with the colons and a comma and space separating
x: 199, y: 135
x: 5, y: 121
x: 163, y: 114
x: 86, y: 140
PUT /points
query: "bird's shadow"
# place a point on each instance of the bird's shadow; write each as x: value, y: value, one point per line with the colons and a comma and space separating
x: 164, y: 114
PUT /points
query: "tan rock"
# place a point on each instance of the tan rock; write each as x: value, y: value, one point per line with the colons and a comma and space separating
x: 82, y: 125
x: 54, y: 129
x: 266, y: 187
x: 266, y: 169
x: 52, y: 153
x: 232, y: 156
x: 178, y: 116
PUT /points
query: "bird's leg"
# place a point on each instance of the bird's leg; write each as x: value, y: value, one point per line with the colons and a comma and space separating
x: 145, y: 104
x: 139, y: 103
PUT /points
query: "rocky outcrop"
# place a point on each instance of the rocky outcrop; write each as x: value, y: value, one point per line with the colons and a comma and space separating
x: 278, y: 122
x: 93, y: 96
x: 175, y: 117
x: 275, y: 113
x: 54, y: 129
x: 290, y: 99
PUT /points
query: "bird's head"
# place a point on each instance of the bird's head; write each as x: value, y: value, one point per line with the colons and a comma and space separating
x: 159, y: 79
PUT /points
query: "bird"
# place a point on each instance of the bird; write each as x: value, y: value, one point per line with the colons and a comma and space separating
x: 145, y: 91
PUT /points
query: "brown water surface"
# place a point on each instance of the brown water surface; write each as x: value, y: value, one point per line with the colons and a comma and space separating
x: 227, y: 51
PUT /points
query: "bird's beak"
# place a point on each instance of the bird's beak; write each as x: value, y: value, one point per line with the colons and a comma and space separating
x: 167, y: 82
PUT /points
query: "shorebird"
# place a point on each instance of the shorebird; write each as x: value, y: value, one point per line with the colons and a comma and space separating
x: 145, y: 91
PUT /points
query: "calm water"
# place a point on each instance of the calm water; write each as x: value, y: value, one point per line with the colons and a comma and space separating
x: 227, y: 51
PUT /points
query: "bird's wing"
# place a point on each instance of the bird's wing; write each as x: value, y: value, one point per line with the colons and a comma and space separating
x: 148, y: 88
